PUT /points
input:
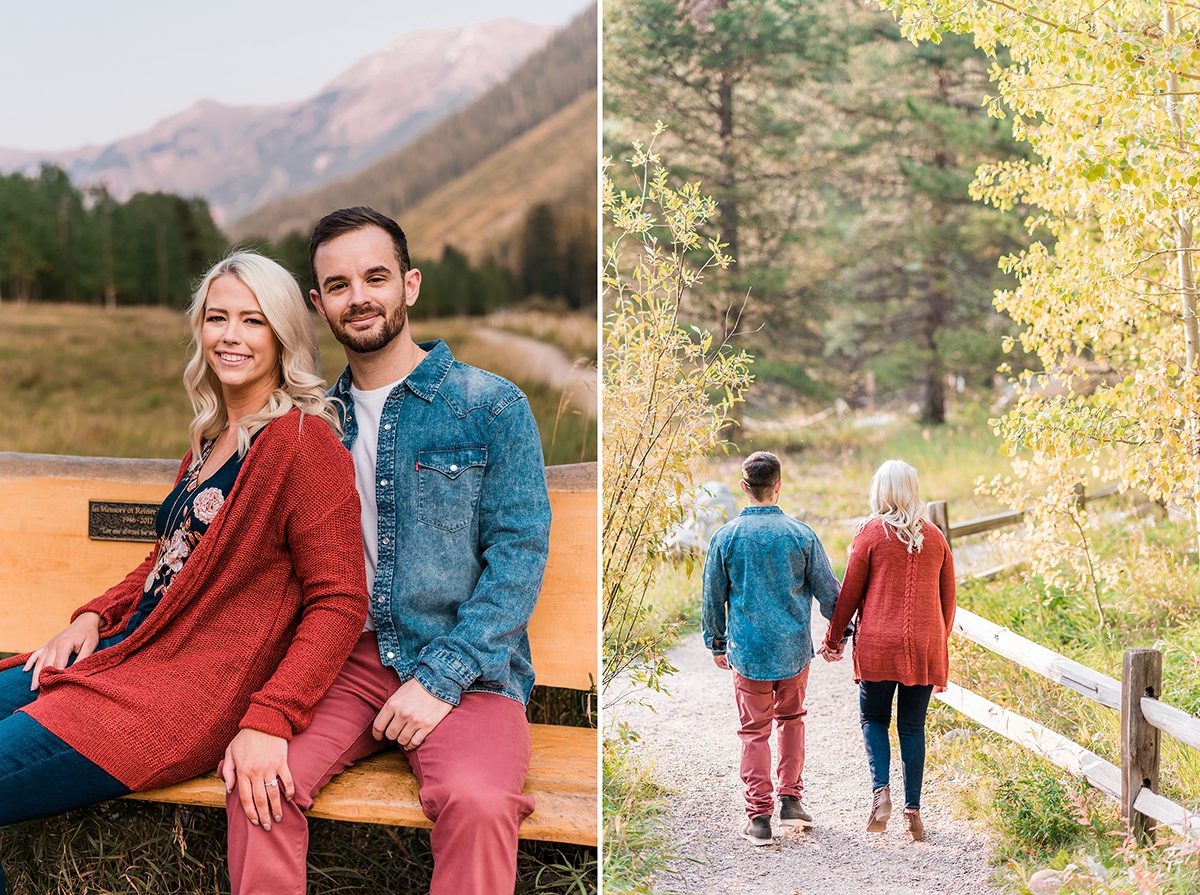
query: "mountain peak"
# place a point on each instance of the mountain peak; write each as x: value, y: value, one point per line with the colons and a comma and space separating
x: 490, y: 44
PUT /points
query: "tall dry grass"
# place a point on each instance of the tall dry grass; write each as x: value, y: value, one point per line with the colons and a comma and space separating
x: 79, y: 380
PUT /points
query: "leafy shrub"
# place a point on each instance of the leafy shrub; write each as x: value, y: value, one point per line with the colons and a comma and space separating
x: 668, y: 391
x: 1041, y: 812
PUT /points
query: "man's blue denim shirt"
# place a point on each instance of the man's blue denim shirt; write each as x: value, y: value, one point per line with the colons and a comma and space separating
x: 464, y: 527
x: 761, y: 574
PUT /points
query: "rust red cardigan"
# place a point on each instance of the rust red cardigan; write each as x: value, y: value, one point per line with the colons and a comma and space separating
x: 904, y: 604
x: 251, y: 632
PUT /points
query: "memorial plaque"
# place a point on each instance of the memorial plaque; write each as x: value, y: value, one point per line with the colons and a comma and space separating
x: 115, y: 520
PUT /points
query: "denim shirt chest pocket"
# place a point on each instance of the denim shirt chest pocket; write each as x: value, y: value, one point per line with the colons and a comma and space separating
x: 448, y: 485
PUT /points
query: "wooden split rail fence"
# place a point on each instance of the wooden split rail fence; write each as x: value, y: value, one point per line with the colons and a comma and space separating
x: 939, y: 515
x: 1137, y: 696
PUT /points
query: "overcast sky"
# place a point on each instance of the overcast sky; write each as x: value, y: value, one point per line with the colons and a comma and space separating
x: 79, y: 71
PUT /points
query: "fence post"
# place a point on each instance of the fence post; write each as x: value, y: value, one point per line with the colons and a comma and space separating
x: 939, y: 515
x: 1141, y: 675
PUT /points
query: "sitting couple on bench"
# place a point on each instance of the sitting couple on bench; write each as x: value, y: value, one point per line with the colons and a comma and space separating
x: 252, y: 637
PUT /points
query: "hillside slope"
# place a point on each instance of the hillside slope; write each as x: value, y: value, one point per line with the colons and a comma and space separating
x: 550, y: 80
x: 480, y: 212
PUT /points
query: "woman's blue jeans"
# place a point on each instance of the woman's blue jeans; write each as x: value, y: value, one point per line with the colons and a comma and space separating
x: 875, y: 714
x: 40, y: 775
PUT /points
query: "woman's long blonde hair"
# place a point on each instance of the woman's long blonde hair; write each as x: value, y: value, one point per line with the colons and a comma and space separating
x: 300, y: 383
x: 893, y: 499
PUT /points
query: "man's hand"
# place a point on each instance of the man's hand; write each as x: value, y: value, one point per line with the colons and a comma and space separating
x: 257, y: 762
x: 410, y: 715
x: 720, y: 661
x: 831, y: 655
x: 80, y: 638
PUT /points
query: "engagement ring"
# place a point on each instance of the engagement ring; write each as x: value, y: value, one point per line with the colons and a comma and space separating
x: 274, y: 782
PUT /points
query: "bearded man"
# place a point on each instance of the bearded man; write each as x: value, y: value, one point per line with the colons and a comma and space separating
x: 456, y: 523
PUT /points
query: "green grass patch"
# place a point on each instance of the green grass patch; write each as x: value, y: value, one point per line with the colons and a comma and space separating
x: 827, y: 467
x: 675, y: 598
x: 1046, y: 818
x: 1038, y: 807
x: 634, y: 847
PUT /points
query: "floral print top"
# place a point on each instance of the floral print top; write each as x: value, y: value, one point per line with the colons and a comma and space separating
x: 181, y: 522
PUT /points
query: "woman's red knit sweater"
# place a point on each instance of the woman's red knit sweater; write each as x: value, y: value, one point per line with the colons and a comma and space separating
x: 251, y: 633
x: 905, y: 606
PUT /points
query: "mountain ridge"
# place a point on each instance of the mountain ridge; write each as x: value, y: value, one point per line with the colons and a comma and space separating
x: 239, y: 157
x: 548, y: 82
x: 481, y: 213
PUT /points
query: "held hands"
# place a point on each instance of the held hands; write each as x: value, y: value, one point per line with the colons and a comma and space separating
x: 79, y: 638
x: 257, y: 762
x: 720, y: 661
x: 831, y: 655
x: 410, y: 715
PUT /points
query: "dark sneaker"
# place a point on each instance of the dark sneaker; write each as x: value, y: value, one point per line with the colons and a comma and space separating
x: 794, y: 813
x: 757, y: 830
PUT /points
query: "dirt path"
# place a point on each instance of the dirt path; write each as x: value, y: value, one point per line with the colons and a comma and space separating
x: 546, y: 363
x: 691, y: 738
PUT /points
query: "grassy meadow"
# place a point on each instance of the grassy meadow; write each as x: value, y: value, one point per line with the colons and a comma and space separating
x: 84, y: 381
x: 827, y: 471
x: 827, y: 468
x: 1042, y: 817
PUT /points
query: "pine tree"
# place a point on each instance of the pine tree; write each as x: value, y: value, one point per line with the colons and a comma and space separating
x: 915, y: 255
x: 736, y: 83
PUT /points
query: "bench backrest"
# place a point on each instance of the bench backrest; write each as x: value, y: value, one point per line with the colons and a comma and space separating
x: 49, y: 565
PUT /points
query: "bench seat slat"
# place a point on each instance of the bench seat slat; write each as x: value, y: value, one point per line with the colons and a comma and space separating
x: 382, y: 789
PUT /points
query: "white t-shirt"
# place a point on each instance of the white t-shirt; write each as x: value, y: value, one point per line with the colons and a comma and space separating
x: 368, y: 408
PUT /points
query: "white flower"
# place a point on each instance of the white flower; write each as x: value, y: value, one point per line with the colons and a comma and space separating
x: 207, y: 503
x: 177, y: 551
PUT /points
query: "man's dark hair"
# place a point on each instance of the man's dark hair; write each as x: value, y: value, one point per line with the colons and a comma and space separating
x: 760, y: 472
x: 347, y: 220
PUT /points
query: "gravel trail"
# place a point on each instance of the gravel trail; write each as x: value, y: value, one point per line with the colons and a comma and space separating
x: 546, y: 363
x: 690, y: 737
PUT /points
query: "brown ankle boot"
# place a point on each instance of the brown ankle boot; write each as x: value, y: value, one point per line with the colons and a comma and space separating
x: 881, y: 810
x: 913, y: 825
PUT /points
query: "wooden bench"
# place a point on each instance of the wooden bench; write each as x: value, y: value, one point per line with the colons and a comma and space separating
x: 49, y: 565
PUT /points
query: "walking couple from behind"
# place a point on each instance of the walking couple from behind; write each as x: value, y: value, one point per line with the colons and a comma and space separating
x: 332, y: 572
x: 761, y: 574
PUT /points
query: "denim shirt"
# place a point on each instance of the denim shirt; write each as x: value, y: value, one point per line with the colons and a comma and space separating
x: 761, y: 574
x: 464, y: 527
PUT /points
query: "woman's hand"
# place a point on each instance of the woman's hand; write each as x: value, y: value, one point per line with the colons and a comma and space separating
x: 830, y: 655
x: 257, y: 762
x: 79, y: 638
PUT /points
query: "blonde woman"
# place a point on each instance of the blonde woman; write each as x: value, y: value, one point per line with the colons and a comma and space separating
x: 900, y: 584
x: 221, y: 643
